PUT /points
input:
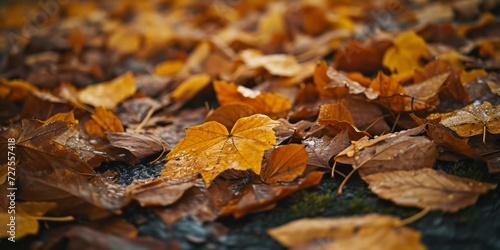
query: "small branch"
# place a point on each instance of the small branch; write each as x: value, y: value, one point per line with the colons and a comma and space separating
x: 416, y: 216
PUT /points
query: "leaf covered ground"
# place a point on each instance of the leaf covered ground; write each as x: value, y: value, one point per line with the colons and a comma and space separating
x: 250, y: 124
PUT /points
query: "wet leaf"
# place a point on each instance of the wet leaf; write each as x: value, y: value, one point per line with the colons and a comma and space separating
x: 427, y: 188
x: 372, y: 231
x: 472, y: 120
x: 140, y: 145
x: 209, y: 149
x: 36, y: 150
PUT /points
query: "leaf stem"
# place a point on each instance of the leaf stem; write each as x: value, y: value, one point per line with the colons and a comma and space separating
x: 416, y: 216
x: 145, y: 120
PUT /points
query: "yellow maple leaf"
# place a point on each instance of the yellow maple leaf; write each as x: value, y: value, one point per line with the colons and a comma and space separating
x: 209, y: 149
x: 406, y: 52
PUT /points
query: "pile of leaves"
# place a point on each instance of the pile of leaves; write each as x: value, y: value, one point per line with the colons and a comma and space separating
x: 246, y: 103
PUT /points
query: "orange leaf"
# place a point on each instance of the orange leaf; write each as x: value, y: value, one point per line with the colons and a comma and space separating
x: 266, y: 103
x: 335, y: 111
x: 391, y: 93
x: 285, y: 164
x: 103, y: 121
x: 209, y: 149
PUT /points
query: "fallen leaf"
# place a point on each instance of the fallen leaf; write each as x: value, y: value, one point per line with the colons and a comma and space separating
x: 36, y: 150
x: 363, y: 56
x: 103, y: 121
x: 16, y: 89
x: 169, y: 68
x: 406, y: 53
x: 322, y: 81
x: 390, y: 93
x: 209, y: 149
x: 269, y: 104
x: 285, y: 163
x: 108, y: 94
x: 278, y: 64
x: 372, y: 231
x: 474, y: 119
x: 140, y: 145
x: 339, y: 80
x: 398, y: 151
x: 335, y: 111
x: 322, y: 150
x: 228, y: 115
x: 425, y: 93
x: 160, y: 191
x: 190, y: 87
x: 257, y: 196
x: 427, y: 188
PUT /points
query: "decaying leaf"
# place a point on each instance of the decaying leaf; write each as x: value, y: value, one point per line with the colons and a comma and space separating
x: 209, y: 149
x: 161, y: 191
x: 372, y: 231
x: 427, y: 188
x: 398, y: 151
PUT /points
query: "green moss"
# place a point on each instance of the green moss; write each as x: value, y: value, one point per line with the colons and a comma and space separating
x: 313, y: 204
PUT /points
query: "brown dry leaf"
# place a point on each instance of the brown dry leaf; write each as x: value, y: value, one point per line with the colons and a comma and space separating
x: 140, y: 145
x: 209, y: 149
x: 285, y: 163
x: 103, y: 121
x: 278, y: 64
x: 372, y: 231
x: 161, y: 191
x: 108, y: 94
x: 201, y: 202
x: 26, y: 217
x: 427, y: 188
x: 472, y: 120
x: 269, y: 104
x: 444, y: 139
x: 36, y: 150
x: 452, y: 87
x: 367, y: 116
x: 334, y: 111
x: 228, y: 115
x: 322, y: 150
x: 390, y: 93
x: 257, y: 196
x: 363, y: 57
x: 425, y: 93
x: 397, y: 151
x: 338, y: 80
x: 406, y: 53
